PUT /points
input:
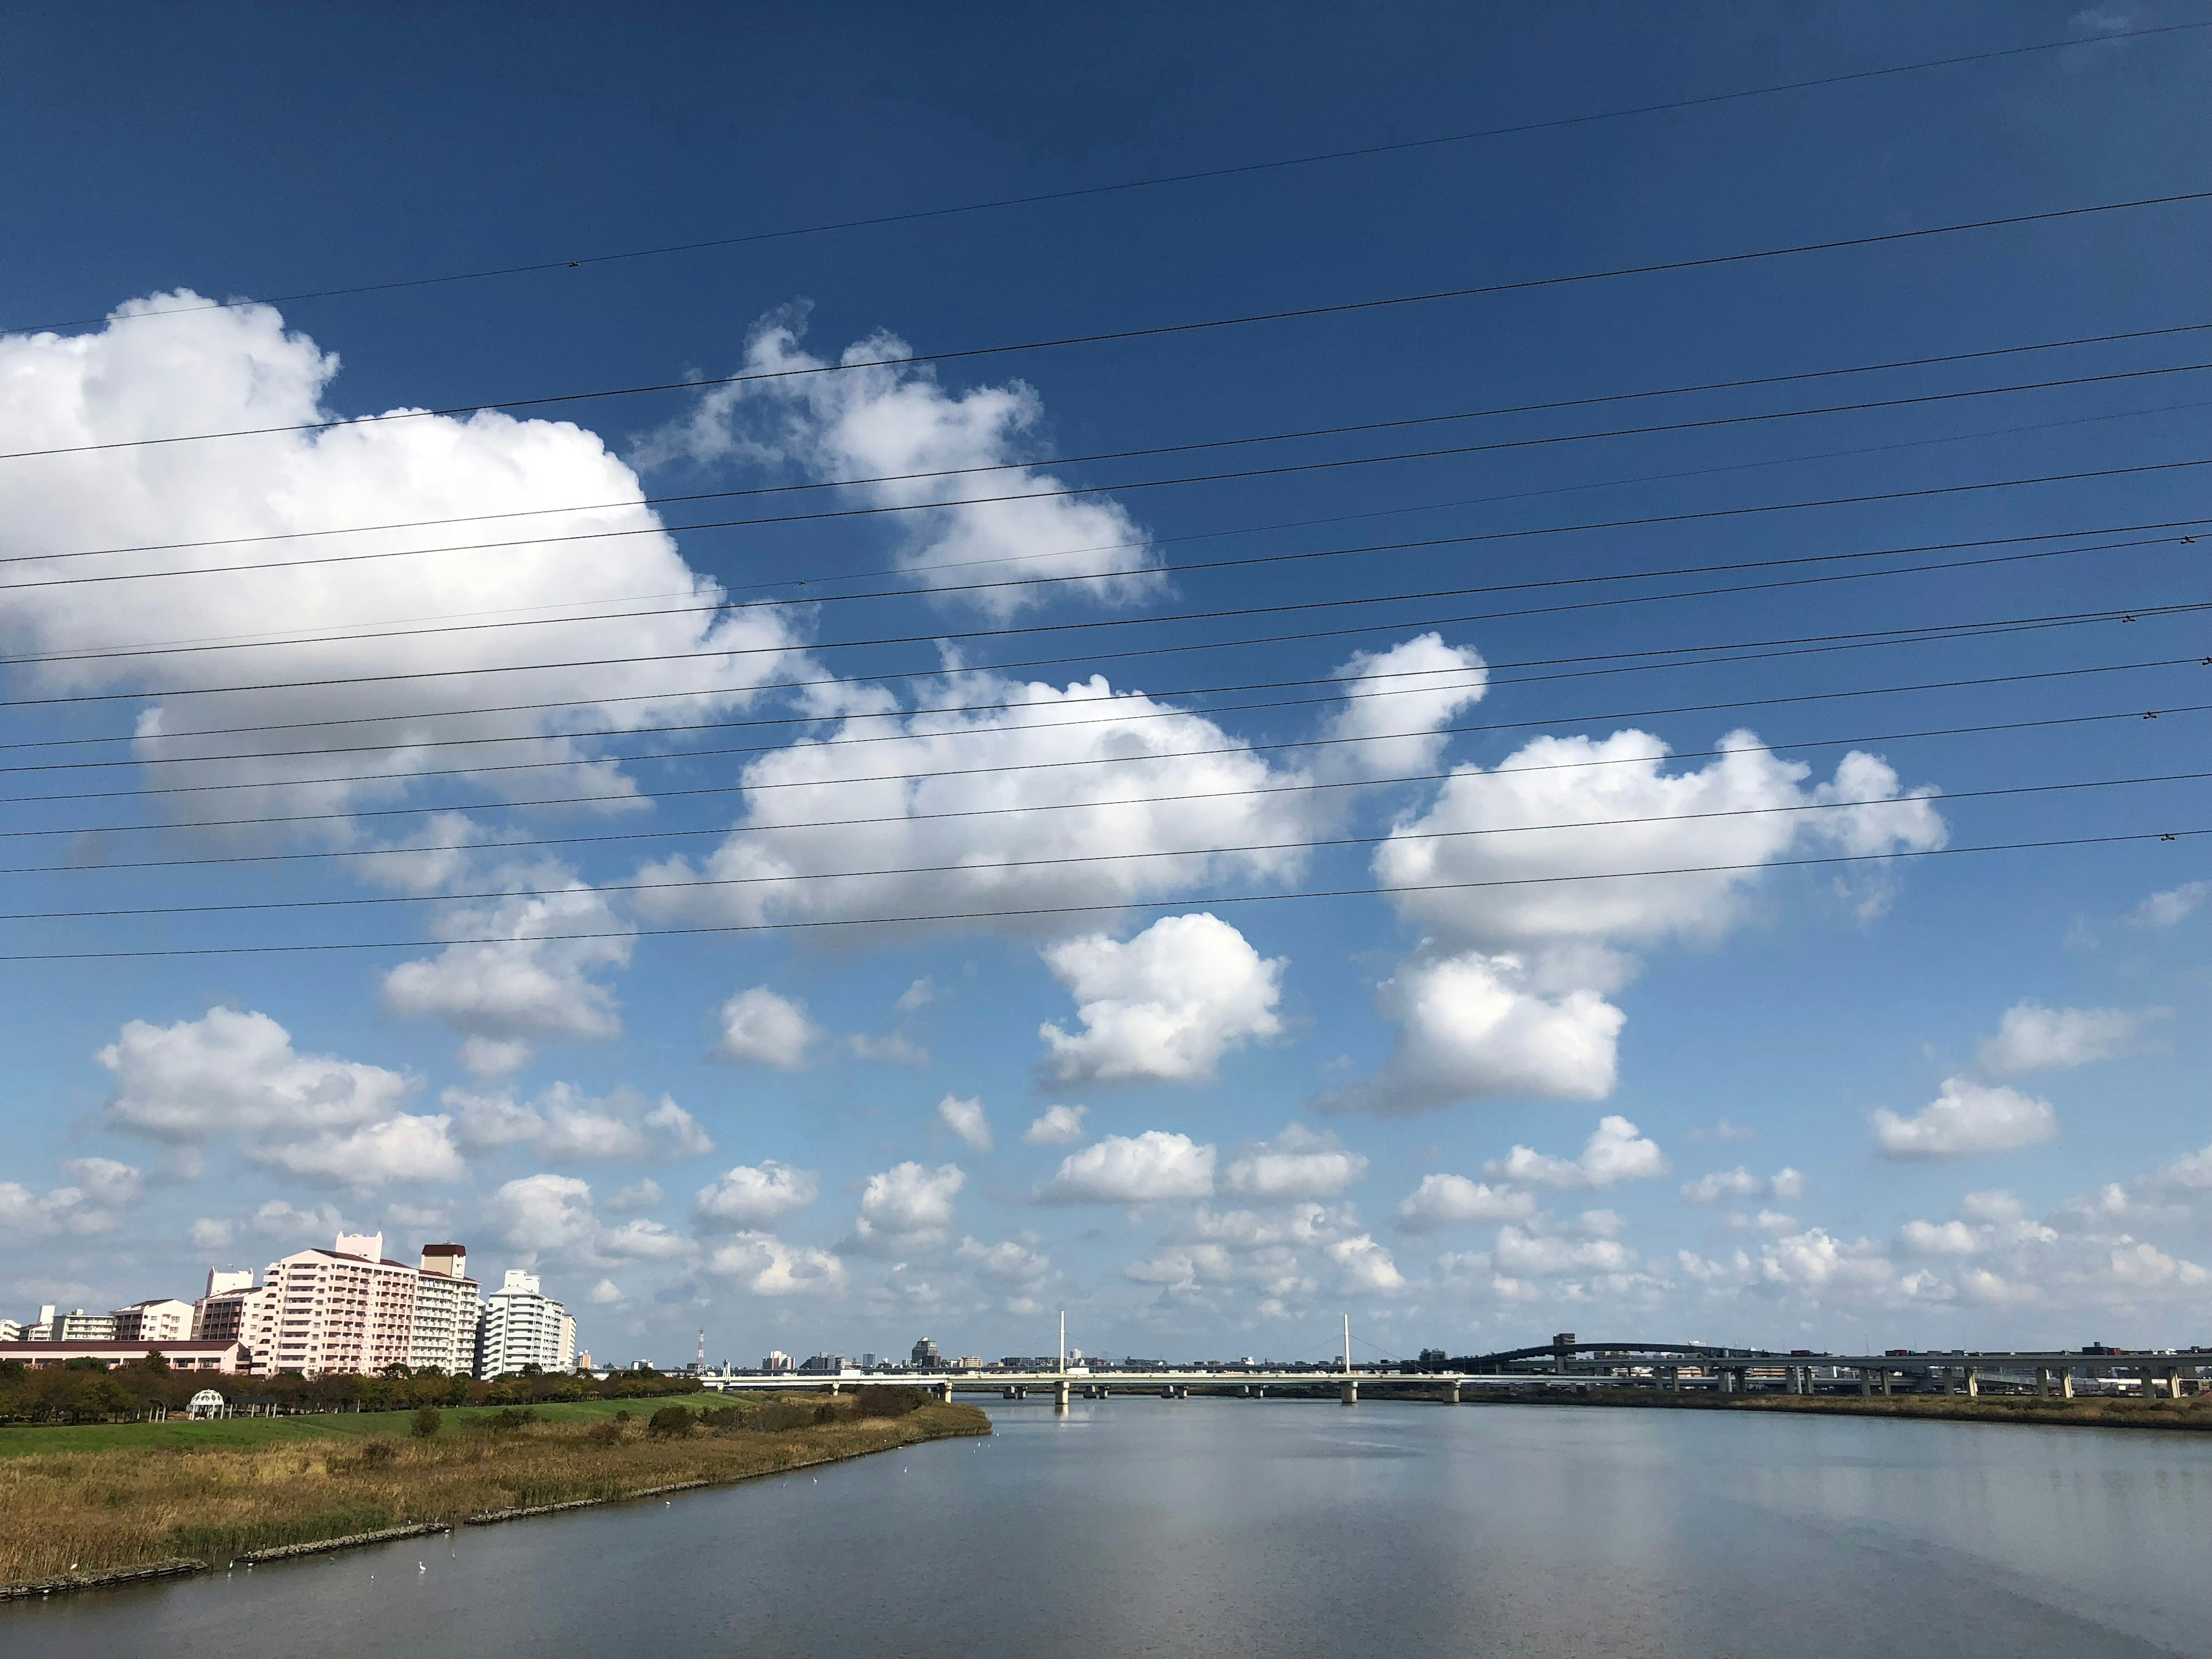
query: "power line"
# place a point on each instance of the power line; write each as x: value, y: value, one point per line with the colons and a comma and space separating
x: 800, y: 876
x: 1161, y: 331
x: 1124, y: 186
x: 1138, y: 573
x: 1310, y: 787
x: 1124, y: 717
x: 1114, y: 906
x: 747, y: 788
x: 942, y: 635
x: 1552, y: 407
x: 698, y: 754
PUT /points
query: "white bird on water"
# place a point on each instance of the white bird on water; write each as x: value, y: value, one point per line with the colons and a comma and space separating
x: 419, y: 1567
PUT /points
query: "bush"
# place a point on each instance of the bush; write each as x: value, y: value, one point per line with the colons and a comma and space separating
x: 888, y: 1401
x: 511, y: 1418
x: 605, y: 1434
x: 671, y: 1422
x: 428, y: 1421
x: 376, y: 1453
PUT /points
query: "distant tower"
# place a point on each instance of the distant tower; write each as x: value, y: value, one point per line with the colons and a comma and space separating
x: 700, y: 1369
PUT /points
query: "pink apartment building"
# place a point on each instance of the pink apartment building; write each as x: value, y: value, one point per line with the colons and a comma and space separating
x: 347, y: 1308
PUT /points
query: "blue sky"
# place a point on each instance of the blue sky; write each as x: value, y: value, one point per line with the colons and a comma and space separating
x: 1959, y: 1097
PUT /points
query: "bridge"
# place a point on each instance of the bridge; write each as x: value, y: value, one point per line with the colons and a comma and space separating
x: 1564, y: 1362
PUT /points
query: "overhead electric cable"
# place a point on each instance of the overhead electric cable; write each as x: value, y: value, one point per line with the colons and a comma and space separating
x: 940, y: 636
x: 1554, y: 407
x: 1111, y: 907
x: 1118, y: 574
x: 1346, y: 308
x: 1158, y: 181
x: 1943, y: 632
x: 670, y: 756
x: 799, y: 878
x: 1303, y: 786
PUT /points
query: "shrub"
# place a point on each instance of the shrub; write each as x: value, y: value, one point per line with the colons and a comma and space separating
x: 378, y: 1452
x: 825, y: 1412
x: 607, y: 1434
x: 670, y: 1421
x: 511, y: 1417
x: 887, y: 1400
x: 426, y: 1423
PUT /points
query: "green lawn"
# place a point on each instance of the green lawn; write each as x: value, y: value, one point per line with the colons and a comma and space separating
x: 16, y: 1441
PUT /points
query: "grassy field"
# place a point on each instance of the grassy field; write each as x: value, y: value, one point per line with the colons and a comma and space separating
x: 20, y: 1440
x: 115, y: 1498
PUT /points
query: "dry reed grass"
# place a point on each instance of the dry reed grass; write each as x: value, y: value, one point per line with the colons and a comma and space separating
x: 93, y: 1510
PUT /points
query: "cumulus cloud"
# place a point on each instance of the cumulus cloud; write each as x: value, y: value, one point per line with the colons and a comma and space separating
x: 525, y: 987
x: 567, y: 1126
x: 1142, y: 1169
x: 1740, y: 1183
x: 1478, y: 1027
x: 751, y: 1198
x: 966, y: 1119
x: 1507, y: 869
x: 1365, y: 1268
x: 1395, y: 700
x: 642, y: 1195
x: 333, y: 640
x: 553, y: 1217
x: 1165, y: 1006
x: 907, y: 1206
x: 1965, y: 1118
x: 1056, y: 1125
x: 63, y: 1210
x: 1615, y: 1151
x: 767, y: 1030
x: 765, y: 1265
x: 1522, y: 1253
x: 1443, y: 1200
x: 316, y: 1117
x: 1009, y: 1269
x: 1297, y: 1164
x: 894, y: 422
x: 107, y: 1181
x: 2032, y: 1037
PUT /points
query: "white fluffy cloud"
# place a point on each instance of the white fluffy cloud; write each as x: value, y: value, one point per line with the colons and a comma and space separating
x: 1507, y: 997
x: 552, y: 1217
x: 316, y: 1117
x: 1165, y: 1006
x: 1616, y: 1151
x: 1298, y: 1164
x: 2174, y: 905
x: 1394, y: 700
x: 208, y: 369
x: 1365, y: 1268
x: 907, y: 1206
x: 1473, y: 1026
x: 894, y: 420
x: 1142, y: 1169
x: 765, y: 1265
x: 2032, y: 1037
x: 567, y: 1126
x: 1443, y: 1200
x: 525, y: 987
x: 967, y: 1119
x: 1056, y: 1125
x: 753, y: 1197
x: 1740, y: 1183
x: 1965, y: 1118
x: 83, y: 1209
x: 759, y: 1026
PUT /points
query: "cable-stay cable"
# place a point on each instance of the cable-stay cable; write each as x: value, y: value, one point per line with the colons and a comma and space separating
x: 940, y: 636
x: 747, y: 788
x: 1110, y: 907
x: 1157, y: 181
x: 1552, y: 406
x: 1121, y: 575
x: 676, y: 755
x: 801, y: 877
x: 1159, y: 331
x: 1303, y: 786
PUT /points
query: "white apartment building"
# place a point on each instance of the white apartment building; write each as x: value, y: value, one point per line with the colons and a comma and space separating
x: 447, y: 1310
x: 162, y: 1320
x: 78, y: 1326
x: 522, y: 1326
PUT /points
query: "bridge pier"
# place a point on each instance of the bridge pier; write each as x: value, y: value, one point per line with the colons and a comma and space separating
x: 2065, y: 1382
x: 1973, y: 1382
x: 2043, y: 1381
x: 1866, y: 1383
x: 1673, y: 1379
x: 1260, y: 1391
x: 1885, y: 1382
x: 1060, y: 1396
x: 944, y: 1391
x: 1349, y: 1393
x: 1452, y: 1397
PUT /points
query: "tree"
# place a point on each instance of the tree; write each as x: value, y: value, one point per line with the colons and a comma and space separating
x: 428, y: 1421
x: 669, y: 1422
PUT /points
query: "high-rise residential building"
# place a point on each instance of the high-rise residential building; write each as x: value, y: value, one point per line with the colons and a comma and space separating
x: 522, y: 1326
x: 11, y: 1330
x: 342, y: 1309
x: 233, y: 1309
x: 163, y: 1318
x: 447, y: 1310
x: 45, y: 1328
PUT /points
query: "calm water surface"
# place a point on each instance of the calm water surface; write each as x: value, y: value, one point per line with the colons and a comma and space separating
x: 1145, y: 1527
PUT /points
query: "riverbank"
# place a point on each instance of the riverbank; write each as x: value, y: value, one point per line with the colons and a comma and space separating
x: 2193, y: 1412
x: 127, y: 1504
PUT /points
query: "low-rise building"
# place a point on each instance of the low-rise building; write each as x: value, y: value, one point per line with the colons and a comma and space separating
x: 225, y: 1357
x: 78, y: 1326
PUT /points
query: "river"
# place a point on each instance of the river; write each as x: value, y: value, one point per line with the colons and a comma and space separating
x: 1281, y: 1528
